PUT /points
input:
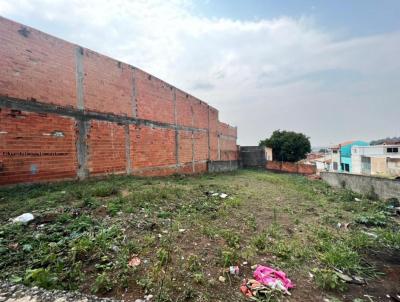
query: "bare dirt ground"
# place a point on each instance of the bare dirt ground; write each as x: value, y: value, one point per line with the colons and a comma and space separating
x: 85, y: 234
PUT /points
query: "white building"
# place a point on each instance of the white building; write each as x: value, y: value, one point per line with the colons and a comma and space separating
x: 381, y: 160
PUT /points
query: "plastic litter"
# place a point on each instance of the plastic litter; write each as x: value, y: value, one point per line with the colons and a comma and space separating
x: 24, y: 218
x: 234, y: 270
x: 373, y: 235
x: 349, y: 279
x: 215, y: 194
x: 267, y: 282
x: 273, y: 278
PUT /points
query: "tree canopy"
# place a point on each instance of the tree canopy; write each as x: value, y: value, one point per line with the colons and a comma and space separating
x: 288, y: 145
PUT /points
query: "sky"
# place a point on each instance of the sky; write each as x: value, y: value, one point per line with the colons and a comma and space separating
x: 329, y: 69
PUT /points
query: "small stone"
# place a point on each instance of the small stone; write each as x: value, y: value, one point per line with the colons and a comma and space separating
x: 222, y: 279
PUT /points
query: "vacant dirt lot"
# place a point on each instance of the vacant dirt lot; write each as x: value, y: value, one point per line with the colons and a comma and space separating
x: 127, y: 237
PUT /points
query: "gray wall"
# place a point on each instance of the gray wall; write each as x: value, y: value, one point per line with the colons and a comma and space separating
x: 384, y: 188
x: 222, y: 165
x: 252, y: 156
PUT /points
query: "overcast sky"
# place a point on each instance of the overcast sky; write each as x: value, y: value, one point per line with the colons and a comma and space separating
x: 330, y: 69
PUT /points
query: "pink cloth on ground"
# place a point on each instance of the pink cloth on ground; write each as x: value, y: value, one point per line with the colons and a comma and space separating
x: 268, y: 276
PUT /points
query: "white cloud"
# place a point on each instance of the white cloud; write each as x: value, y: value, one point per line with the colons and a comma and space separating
x: 265, y: 74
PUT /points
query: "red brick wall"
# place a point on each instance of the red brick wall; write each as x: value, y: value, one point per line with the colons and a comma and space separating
x: 200, y: 146
x: 106, y: 148
x: 291, y: 167
x: 36, y: 66
x: 127, y: 111
x: 200, y: 113
x: 154, y: 98
x: 185, y: 147
x: 152, y: 147
x: 107, y: 84
x: 36, y: 147
x: 183, y: 109
x: 227, y: 142
x: 213, y: 134
x: 273, y: 165
x: 307, y: 169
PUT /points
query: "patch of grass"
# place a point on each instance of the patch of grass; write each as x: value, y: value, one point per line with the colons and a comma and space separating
x: 232, y: 239
x: 372, y: 219
x: 328, y: 279
x: 228, y: 257
x: 40, y: 277
x: 389, y: 237
x: 199, y: 278
x: 286, y: 221
x: 260, y: 241
x: 163, y: 256
x: 104, y: 189
x: 102, y: 284
x: 194, y: 264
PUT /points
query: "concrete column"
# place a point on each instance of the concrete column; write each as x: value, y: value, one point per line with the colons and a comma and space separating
x: 176, y: 128
x: 128, y: 149
x: 208, y: 133
x: 80, y: 102
x: 83, y: 128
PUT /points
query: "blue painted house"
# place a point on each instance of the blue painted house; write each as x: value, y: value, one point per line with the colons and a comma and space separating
x: 345, y: 155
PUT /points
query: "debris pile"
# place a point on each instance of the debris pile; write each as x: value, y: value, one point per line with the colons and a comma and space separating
x: 267, y: 282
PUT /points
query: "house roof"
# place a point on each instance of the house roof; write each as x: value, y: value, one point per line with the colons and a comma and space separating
x: 345, y: 143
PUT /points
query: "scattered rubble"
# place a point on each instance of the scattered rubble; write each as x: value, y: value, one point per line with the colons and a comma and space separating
x: 10, y: 292
x: 216, y: 194
x: 135, y: 261
x: 222, y: 279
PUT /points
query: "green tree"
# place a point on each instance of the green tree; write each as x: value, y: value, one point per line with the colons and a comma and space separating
x: 288, y: 145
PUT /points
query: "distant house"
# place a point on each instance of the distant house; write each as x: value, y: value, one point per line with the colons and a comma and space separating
x: 341, y: 156
x: 383, y: 160
x: 268, y: 154
x: 321, y: 160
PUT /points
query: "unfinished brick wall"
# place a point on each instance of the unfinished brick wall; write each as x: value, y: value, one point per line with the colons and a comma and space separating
x: 69, y: 112
x: 291, y: 167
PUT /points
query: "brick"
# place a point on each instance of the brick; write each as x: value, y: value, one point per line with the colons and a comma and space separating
x: 36, y: 147
x: 151, y: 147
x: 154, y: 98
x: 108, y: 84
x: 106, y: 146
x: 36, y: 66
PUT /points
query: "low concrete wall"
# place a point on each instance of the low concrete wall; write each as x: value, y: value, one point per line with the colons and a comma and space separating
x: 222, y: 165
x: 252, y: 156
x: 291, y: 167
x: 383, y: 188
